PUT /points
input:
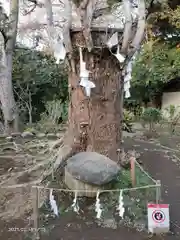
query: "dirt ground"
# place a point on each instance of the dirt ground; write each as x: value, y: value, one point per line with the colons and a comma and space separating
x: 162, y: 163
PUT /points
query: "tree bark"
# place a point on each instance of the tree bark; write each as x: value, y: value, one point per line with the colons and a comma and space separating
x: 7, y: 98
x: 95, y: 123
x: 7, y: 44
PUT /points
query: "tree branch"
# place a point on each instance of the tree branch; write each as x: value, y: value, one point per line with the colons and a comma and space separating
x: 67, y: 26
x: 49, y: 13
x: 140, y: 26
x: 87, y: 15
x: 13, y: 22
x: 2, y: 52
x: 128, y: 26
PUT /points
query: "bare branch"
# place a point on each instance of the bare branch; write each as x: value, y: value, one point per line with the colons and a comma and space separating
x: 87, y: 16
x: 2, y: 52
x: 128, y: 25
x: 83, y: 4
x: 31, y: 10
x: 13, y: 22
x: 139, y: 32
x: 140, y: 26
x: 67, y: 26
x: 49, y: 12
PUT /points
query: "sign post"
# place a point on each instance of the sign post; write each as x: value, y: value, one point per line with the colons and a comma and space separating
x: 158, y: 218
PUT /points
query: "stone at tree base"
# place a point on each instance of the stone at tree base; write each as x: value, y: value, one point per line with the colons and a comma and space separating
x: 60, y: 134
x: 9, y: 138
x: 16, y: 134
x: 51, y: 136
x: 86, y: 190
x: 90, y: 168
x: 41, y: 135
x: 27, y: 134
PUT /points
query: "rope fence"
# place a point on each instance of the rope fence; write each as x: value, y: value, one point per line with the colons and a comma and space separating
x: 155, y: 185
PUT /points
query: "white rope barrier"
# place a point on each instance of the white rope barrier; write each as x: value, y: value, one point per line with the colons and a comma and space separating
x: 100, y: 191
x: 142, y: 169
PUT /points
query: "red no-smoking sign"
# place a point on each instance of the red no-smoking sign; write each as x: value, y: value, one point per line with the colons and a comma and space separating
x: 158, y: 217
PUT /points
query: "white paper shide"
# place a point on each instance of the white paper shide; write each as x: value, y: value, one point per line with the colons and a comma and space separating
x: 53, y: 204
x: 84, y: 76
x: 113, y: 41
x: 98, y: 208
x: 120, y: 207
x: 75, y: 205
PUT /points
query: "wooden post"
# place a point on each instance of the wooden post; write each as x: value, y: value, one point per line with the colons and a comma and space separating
x: 35, y: 195
x: 133, y: 171
x: 158, y: 191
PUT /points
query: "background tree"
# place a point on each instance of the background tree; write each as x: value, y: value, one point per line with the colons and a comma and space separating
x: 37, y: 79
x: 159, y: 60
x: 8, y: 32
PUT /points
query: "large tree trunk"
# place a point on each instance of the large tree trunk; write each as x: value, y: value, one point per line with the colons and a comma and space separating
x: 7, y: 97
x: 95, y: 122
x: 7, y: 44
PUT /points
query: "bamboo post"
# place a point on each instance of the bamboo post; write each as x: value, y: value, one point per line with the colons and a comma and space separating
x: 35, y: 195
x: 158, y: 191
x: 133, y: 172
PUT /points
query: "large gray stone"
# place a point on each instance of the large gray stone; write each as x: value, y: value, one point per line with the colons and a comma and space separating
x: 27, y: 134
x: 92, y: 168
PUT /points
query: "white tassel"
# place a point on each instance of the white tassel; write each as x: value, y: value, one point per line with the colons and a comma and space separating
x: 59, y: 49
x: 87, y: 85
x: 75, y: 204
x: 127, y: 78
x: 119, y: 56
x: 98, y: 206
x: 84, y: 75
x: 127, y: 94
x: 127, y: 86
x: 113, y: 41
x: 120, y: 207
x: 129, y: 67
x: 53, y: 203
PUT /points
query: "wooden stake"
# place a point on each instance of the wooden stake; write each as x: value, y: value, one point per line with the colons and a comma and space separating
x: 133, y: 173
x: 158, y: 191
x: 35, y: 195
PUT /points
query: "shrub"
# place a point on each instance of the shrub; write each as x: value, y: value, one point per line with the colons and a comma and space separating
x: 172, y: 116
x: 151, y: 116
x: 128, y: 118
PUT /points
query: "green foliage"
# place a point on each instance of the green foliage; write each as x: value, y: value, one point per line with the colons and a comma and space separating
x: 56, y: 111
x: 37, y: 80
x: 134, y: 106
x: 111, y: 3
x: 165, y: 20
x: 127, y: 120
x: 151, y: 116
x: 159, y: 60
x: 157, y: 64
